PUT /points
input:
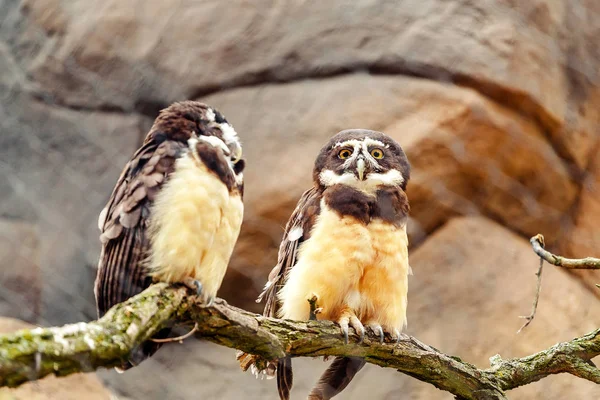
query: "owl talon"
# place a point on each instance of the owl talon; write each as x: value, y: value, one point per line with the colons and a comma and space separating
x: 193, y: 284
x: 210, y: 301
x: 344, y: 328
x: 396, y: 336
x: 358, y: 328
x: 378, y: 330
x: 198, y: 287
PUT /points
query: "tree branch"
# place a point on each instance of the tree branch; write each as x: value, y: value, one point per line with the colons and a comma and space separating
x: 569, y: 263
x: 538, y: 243
x: 572, y: 357
x: 31, y: 354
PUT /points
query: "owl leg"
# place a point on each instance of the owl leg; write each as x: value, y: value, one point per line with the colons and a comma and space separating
x: 348, y: 318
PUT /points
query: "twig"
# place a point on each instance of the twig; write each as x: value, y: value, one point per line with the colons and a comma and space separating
x: 314, y: 310
x: 569, y: 263
x: 538, y: 244
x: 538, y: 288
x: 178, y: 338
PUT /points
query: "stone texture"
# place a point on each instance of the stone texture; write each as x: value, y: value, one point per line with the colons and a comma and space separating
x: 469, y: 156
x: 73, y: 387
x: 495, y: 270
x: 537, y: 57
x: 58, y: 168
x: 583, y: 237
x: 20, y: 277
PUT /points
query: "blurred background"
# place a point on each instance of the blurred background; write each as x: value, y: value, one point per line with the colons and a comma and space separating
x: 496, y: 103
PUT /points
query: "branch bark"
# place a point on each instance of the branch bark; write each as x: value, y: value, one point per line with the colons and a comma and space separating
x: 31, y: 354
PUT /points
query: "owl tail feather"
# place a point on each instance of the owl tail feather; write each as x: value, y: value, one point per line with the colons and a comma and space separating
x: 285, y: 377
x: 336, y: 377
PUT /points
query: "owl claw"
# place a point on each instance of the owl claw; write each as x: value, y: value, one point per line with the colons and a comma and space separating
x: 210, y: 301
x: 194, y: 284
x: 396, y: 336
x: 378, y: 330
x: 198, y: 287
x: 344, y: 328
x: 349, y: 319
x: 358, y: 328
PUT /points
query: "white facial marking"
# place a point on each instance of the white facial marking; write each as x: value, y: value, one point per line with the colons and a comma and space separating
x: 215, y: 142
x: 361, y: 146
x: 373, y: 142
x: 192, y: 142
x: 229, y: 134
x: 349, y: 143
x: 370, y: 185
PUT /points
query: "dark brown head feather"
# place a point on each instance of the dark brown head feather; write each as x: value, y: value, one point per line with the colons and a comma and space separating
x: 394, y: 159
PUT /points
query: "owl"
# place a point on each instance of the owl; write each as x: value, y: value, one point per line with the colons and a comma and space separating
x: 175, y: 213
x: 345, y: 245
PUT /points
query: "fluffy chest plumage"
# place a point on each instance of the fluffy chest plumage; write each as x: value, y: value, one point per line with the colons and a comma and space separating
x: 377, y: 244
x: 194, y: 224
x: 349, y: 263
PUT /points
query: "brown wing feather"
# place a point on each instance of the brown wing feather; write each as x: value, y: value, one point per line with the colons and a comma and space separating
x: 297, y: 231
x: 124, y: 220
x: 301, y: 220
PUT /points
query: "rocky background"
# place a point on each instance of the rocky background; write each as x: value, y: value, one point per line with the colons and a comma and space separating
x: 496, y: 103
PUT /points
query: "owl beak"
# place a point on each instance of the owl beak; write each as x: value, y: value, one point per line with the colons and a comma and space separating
x: 360, y: 168
x: 236, y: 151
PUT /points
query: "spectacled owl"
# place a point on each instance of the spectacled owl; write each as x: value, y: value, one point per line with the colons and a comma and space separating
x: 175, y: 212
x: 346, y: 245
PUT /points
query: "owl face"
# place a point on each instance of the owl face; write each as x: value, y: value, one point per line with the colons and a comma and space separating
x: 196, y: 123
x: 362, y: 159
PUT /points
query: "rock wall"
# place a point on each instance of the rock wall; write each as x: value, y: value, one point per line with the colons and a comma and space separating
x: 495, y: 103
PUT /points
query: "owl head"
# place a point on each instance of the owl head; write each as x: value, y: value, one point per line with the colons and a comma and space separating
x: 363, y: 159
x: 193, y: 122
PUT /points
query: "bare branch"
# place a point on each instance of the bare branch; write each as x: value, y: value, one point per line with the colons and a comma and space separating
x: 31, y: 354
x: 572, y: 357
x: 538, y: 288
x: 538, y: 244
x: 569, y: 263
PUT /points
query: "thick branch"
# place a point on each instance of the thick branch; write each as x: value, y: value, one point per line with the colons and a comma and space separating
x: 572, y: 357
x: 32, y: 354
x: 569, y: 263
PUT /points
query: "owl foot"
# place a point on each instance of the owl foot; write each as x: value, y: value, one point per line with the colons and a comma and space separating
x: 193, y: 284
x: 380, y: 332
x: 377, y: 330
x: 348, y: 319
x: 197, y: 286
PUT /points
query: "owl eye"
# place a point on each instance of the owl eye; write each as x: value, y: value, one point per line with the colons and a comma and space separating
x: 344, y: 153
x: 377, y: 153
